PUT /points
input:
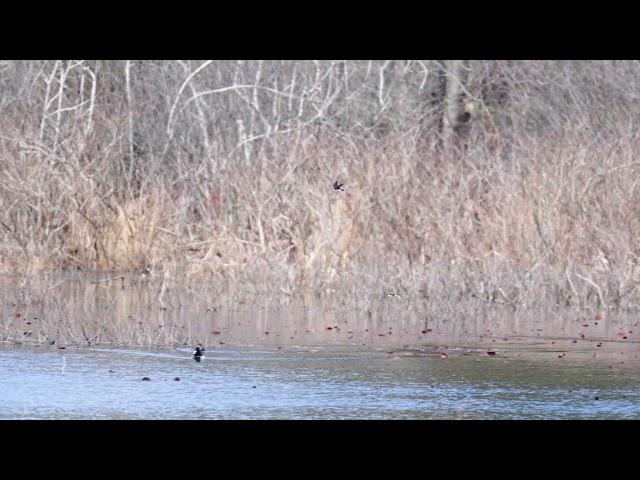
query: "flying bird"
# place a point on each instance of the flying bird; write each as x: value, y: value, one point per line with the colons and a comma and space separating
x: 338, y: 187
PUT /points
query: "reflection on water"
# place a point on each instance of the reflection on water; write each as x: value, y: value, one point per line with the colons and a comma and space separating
x: 270, y: 358
x: 101, y: 309
x: 314, y: 382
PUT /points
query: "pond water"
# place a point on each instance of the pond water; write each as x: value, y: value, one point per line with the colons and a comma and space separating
x: 532, y: 381
x: 370, y: 357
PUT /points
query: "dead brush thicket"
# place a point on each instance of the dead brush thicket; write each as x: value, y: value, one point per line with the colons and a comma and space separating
x: 221, y: 184
x: 559, y: 223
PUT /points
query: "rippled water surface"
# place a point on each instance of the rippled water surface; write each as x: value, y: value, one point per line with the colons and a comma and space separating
x: 382, y: 357
x: 318, y: 382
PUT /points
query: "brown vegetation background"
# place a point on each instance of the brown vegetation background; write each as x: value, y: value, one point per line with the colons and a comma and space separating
x: 513, y: 182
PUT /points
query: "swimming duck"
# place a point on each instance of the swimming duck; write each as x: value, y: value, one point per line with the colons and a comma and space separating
x: 198, y: 353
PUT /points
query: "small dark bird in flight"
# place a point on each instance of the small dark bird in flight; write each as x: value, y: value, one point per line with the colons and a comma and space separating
x: 338, y: 188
